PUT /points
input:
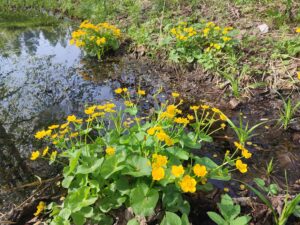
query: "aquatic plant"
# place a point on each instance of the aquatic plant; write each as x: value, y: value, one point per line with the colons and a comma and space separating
x: 115, y: 159
x: 96, y: 39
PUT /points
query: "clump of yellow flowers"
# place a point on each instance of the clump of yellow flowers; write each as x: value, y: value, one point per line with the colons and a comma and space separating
x: 200, y: 42
x: 118, y: 155
x: 96, y: 39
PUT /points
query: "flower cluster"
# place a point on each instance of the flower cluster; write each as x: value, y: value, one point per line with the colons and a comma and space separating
x: 200, y: 42
x: 96, y: 39
x: 113, y: 157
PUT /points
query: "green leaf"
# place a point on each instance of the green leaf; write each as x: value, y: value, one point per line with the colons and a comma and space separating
x: 110, y: 166
x: 74, y: 157
x: 243, y: 220
x: 78, y: 218
x: 67, y: 181
x: 205, y: 137
x: 185, y: 219
x: 143, y: 200
x: 217, y: 218
x: 132, y: 111
x: 188, y: 141
x: 171, y: 219
x: 178, y: 153
x: 133, y: 222
x: 87, y: 169
x: 65, y: 213
x: 138, y: 166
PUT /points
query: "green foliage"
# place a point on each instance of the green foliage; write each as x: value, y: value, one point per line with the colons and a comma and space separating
x: 288, y: 112
x: 229, y: 213
x: 205, y: 43
x: 272, y: 189
x: 115, y: 159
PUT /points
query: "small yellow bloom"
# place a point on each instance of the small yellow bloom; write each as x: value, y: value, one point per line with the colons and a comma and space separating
x: 40, y: 134
x: 190, y: 117
x: 225, y: 39
x: 90, y: 110
x: 223, y: 116
x: 158, y: 173
x: 242, y: 187
x: 71, y: 118
x: 159, y: 160
x: 242, y: 167
x: 125, y: 90
x: 118, y: 91
x: 63, y: 126
x: 194, y: 107
x: 128, y: 103
x: 217, y: 46
x: 246, y: 153
x: 151, y: 131
x: 34, y: 155
x: 52, y: 127
x: 223, y: 125
x: 199, y: 170
x: 45, y: 151
x: 181, y: 120
x: 297, y: 30
x: 53, y: 155
x: 226, y: 189
x: 141, y: 92
x: 175, y: 94
x: 216, y: 110
x: 298, y: 75
x: 72, y: 41
x: 40, y: 208
x: 177, y: 171
x: 110, y: 151
x: 188, y: 184
x: 75, y: 134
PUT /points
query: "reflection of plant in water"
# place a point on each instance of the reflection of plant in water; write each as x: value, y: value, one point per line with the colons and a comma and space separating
x: 115, y: 158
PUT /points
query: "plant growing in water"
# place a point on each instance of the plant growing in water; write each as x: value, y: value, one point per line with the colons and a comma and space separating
x: 96, y: 39
x: 114, y: 159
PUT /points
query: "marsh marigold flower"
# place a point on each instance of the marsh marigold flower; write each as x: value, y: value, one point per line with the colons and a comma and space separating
x: 242, y: 167
x: 158, y: 173
x: 53, y: 155
x: 246, y: 153
x: 118, y: 91
x: 297, y: 30
x: 194, y: 107
x: 199, y: 170
x: 71, y: 118
x: 40, y: 208
x: 110, y: 151
x: 34, y: 155
x: 298, y: 75
x: 175, y: 94
x: 45, y: 151
x: 52, y: 127
x: 40, y: 134
x: 188, y: 184
x: 141, y: 92
x: 177, y: 171
x: 159, y: 160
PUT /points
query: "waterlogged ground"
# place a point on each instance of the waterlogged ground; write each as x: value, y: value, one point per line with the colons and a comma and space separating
x: 43, y: 79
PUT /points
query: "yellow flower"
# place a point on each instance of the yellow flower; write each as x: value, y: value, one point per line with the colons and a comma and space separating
x: 190, y: 117
x: 223, y: 125
x: 217, y: 46
x: 194, y: 107
x: 242, y: 167
x: 225, y: 39
x: 71, y: 118
x: 199, y: 170
x: 205, y: 107
x: 75, y: 134
x: 169, y: 141
x: 72, y: 41
x: 101, y: 41
x: 206, y: 31
x: 45, y: 151
x: 177, y: 171
x: 52, y: 127
x: 40, y: 134
x: 216, y: 110
x: 151, y: 131
x: 181, y: 120
x: 159, y: 160
x: 188, y: 184
x: 128, y: 103
x: 223, y: 116
x: 238, y: 145
x: 161, y: 135
x: 34, y: 155
x: 173, y: 31
x: 125, y: 90
x: 175, y: 94
x: 40, y: 208
x: 53, y: 155
x: 297, y: 30
x: 110, y: 151
x: 63, y: 126
x: 158, y: 173
x: 118, y: 91
x: 90, y: 110
x: 298, y: 75
x: 141, y: 92
x: 246, y: 153
x: 226, y: 189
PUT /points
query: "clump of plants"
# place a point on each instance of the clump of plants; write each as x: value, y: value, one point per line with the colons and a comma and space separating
x: 120, y: 158
x: 96, y: 39
x: 205, y: 43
